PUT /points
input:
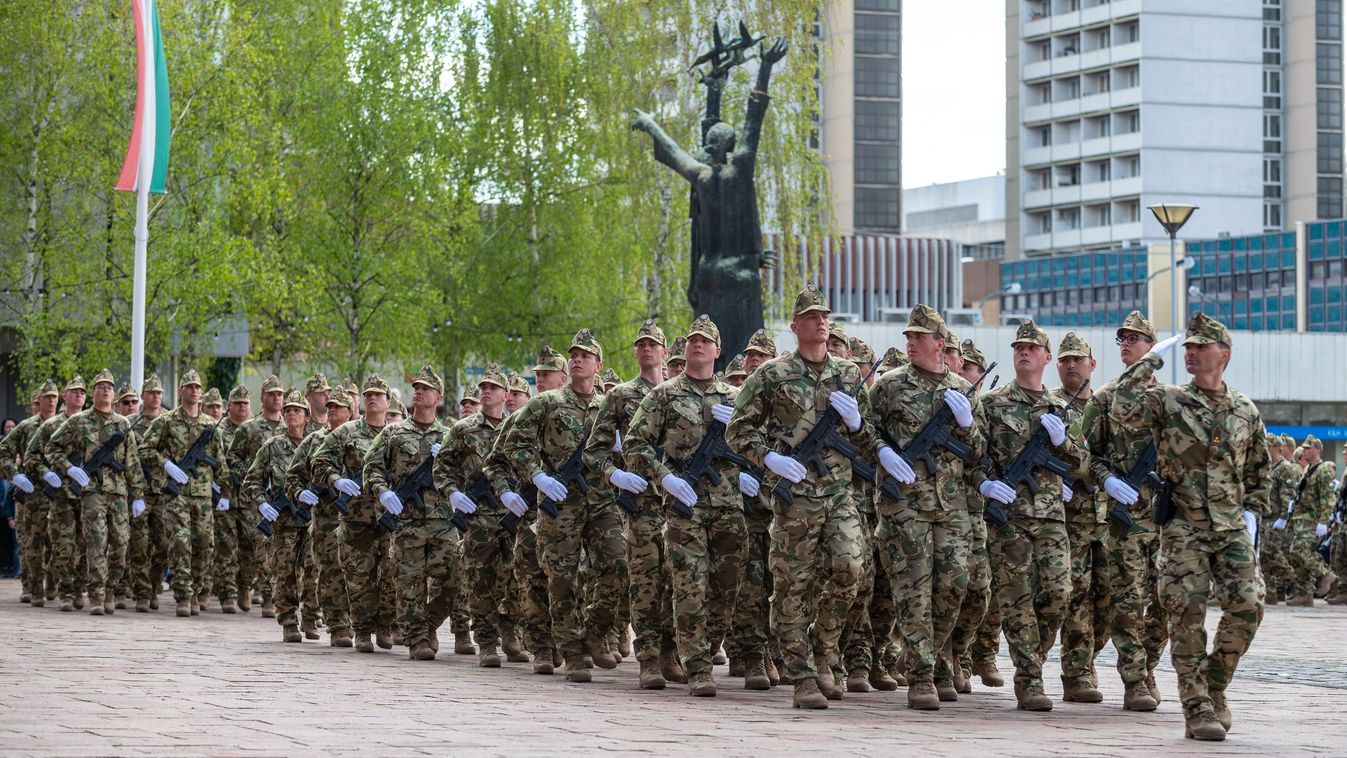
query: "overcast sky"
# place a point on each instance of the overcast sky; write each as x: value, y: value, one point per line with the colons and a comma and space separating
x: 954, y: 90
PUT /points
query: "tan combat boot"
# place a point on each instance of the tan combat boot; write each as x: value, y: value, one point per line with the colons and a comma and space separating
x: 363, y: 643
x: 962, y: 677
x: 487, y: 658
x: 944, y: 689
x: 383, y: 637
x: 989, y: 674
x: 340, y: 638
x: 542, y: 662
x: 143, y: 605
x: 309, y: 629
x: 195, y: 608
x: 79, y: 602
x: 513, y: 648
x: 463, y: 643
x: 184, y: 608
x: 228, y: 605
x: 67, y: 606
x: 1152, y: 687
x: 268, y: 608
x: 858, y: 680
x: 24, y: 597
x: 755, y: 673
x: 421, y: 652
x: 1203, y: 726
x: 624, y: 644
x: 38, y: 601
x: 120, y: 604
x: 110, y: 605
x: 719, y: 658
x: 827, y: 684
x: 672, y: 668
x: 808, y: 696
x: 1136, y: 697
x: 598, y: 651
x: 1080, y: 691
x: 881, y: 680
x: 1298, y: 601
x: 291, y: 633
x: 702, y: 685
x: 922, y: 696
x: 650, y: 676
x: 737, y: 665
x: 1031, y: 697
x: 576, y: 671
x: 773, y: 671
x: 245, y: 602
x: 1221, y: 708
x: 97, y: 610
x: 154, y: 602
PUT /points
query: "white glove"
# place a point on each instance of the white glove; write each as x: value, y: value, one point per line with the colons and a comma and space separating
x: 223, y: 504
x: 785, y: 467
x: 617, y: 441
x: 514, y: 504
x: 215, y: 487
x: 748, y: 485
x: 897, y: 467
x: 1335, y: 484
x: 1251, y: 525
x: 846, y: 407
x: 1320, y: 530
x: 268, y: 513
x: 1279, y: 524
x: 679, y: 489
x: 628, y: 482
x: 137, y: 508
x: 80, y: 476
x: 997, y: 490
x: 1067, y: 493
x: 23, y: 483
x: 347, y: 487
x: 434, y: 450
x: 1165, y: 345
x: 389, y: 500
x: 308, y: 497
x: 51, y: 478
x: 462, y: 503
x: 1120, y: 490
x: 1056, y: 428
x: 550, y: 487
x: 175, y: 473
x: 963, y: 409
x: 721, y: 412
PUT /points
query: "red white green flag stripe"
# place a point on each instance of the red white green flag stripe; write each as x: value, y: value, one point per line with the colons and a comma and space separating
x: 150, y: 130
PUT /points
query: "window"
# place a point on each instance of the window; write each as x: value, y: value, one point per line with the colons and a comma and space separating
x: 877, y: 208
x: 1329, y: 108
x: 1042, y: 135
x: 1272, y: 125
x: 1328, y: 63
x: 1330, y: 197
x: 1272, y: 216
x: 1272, y: 45
x: 877, y: 120
x: 1127, y: 77
x: 887, y: 6
x: 1129, y: 211
x: 877, y: 34
x: 1330, y: 152
x: 878, y: 163
x: 1128, y: 122
x: 1130, y: 32
x: 1272, y: 90
x: 1328, y: 19
x: 1272, y: 169
x: 1041, y: 94
x: 877, y: 77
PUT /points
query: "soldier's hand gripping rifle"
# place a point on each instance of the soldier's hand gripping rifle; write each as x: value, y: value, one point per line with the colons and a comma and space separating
x: 196, y: 454
x: 102, y: 458
x: 1036, y: 454
x: 282, y: 504
x: 568, y: 473
x: 824, y: 437
x: 342, y: 501
x: 510, y: 522
x: 410, y: 489
x: 1141, y: 474
x: 702, y: 464
x: 479, y: 491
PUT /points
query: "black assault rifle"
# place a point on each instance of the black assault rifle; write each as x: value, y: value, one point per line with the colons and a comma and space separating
x: 937, y: 433
x: 1141, y: 474
x: 342, y: 501
x: 479, y: 492
x: 102, y: 458
x: 196, y: 454
x: 282, y: 504
x: 410, y: 489
x: 823, y: 437
x: 1036, y: 454
x: 702, y: 464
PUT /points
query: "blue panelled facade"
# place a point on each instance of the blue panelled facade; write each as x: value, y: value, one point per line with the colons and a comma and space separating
x: 1326, y: 287
x: 1246, y: 282
x: 1077, y: 289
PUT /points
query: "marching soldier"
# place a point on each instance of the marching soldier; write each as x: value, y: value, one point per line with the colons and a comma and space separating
x: 676, y: 362
x: 396, y: 411
x: 610, y: 380
x: 241, y: 553
x: 1034, y: 571
x: 147, y: 553
x: 127, y: 400
x: 63, y: 514
x: 427, y: 547
x: 861, y: 652
x: 102, y: 437
x: 1309, y: 524
x: 735, y: 375
x: 263, y: 489
x: 316, y: 394
x: 165, y: 447
x: 226, y: 585
x: 817, y: 539
x: 1211, y: 454
x: 32, y: 507
x: 471, y: 402
x: 1272, y: 560
x: 705, y: 539
x: 212, y: 404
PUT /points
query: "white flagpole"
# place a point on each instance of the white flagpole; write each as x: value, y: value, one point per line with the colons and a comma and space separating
x: 144, y: 173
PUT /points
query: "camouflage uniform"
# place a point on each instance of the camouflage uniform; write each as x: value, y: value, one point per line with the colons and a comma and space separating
x: 549, y: 429
x: 650, y: 595
x: 65, y: 537
x: 529, y: 580
x: 226, y: 584
x: 240, y: 555
x: 974, y: 608
x: 428, y: 549
x: 1314, y: 507
x: 264, y: 482
x: 706, y: 549
x: 106, y: 502
x: 187, y: 515
x: 1033, y: 555
x: 1211, y: 450
x: 818, y: 541
x: 1272, y: 559
x: 31, y: 510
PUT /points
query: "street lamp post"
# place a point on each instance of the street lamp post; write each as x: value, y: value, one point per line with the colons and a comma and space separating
x: 1172, y: 216
x: 1010, y: 289
x: 1196, y: 291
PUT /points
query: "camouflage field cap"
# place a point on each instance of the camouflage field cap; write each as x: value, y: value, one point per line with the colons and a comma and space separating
x: 344, y: 396
x: 550, y: 360
x: 519, y: 384
x: 427, y: 377
x: 676, y: 350
x: 972, y: 355
x: 951, y: 340
x: 77, y: 383
x: 189, y: 378
x: 397, y: 407
x: 1204, y: 330
x: 152, y: 384
x: 861, y: 352
x: 584, y: 340
x: 650, y: 331
x: 374, y: 383
x: 493, y: 375
x: 212, y: 397
x: 1288, y: 440
x: 1272, y: 440
x: 294, y: 399
x: 49, y: 389
x: 761, y: 342
x: 125, y: 391
x: 316, y: 383
x: 1135, y: 322
x: 1313, y: 441
x: 735, y: 367
x: 610, y: 377
x: 925, y: 320
x: 810, y: 299
x: 1029, y: 333
x: 707, y: 328
x: 471, y: 395
x: 1074, y: 345
x: 272, y: 384
x: 239, y: 394
x: 836, y: 332
x: 105, y: 376
x: 893, y: 358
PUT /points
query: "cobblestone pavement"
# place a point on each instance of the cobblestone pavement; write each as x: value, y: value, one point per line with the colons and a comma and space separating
x: 154, y: 684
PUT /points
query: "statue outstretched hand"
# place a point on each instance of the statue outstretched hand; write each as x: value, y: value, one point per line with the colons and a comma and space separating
x: 644, y: 121
x: 776, y: 52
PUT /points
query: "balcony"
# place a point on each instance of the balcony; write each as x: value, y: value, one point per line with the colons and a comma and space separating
x: 1038, y: 198
x: 1127, y: 187
x: 1125, y: 96
x: 1033, y: 113
x: 1096, y: 235
x: 1129, y: 51
x: 1095, y: 103
x: 1037, y: 70
x: 1092, y: 191
x: 1037, y: 242
x: 1068, y: 195
x: 1067, y: 238
x: 1126, y: 143
x: 1036, y: 156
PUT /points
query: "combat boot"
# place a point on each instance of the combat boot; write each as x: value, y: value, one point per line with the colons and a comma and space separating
x: 79, y: 602
x: 827, y: 684
x: 1136, y: 697
x: 1337, y: 598
x: 598, y: 651
x: 899, y: 676
x: 1080, y: 691
x: 67, y: 606
x: 989, y: 674
x: 858, y: 680
x: 921, y: 696
x: 1203, y: 726
x: 110, y: 604
x: 463, y: 643
x: 421, y: 652
x: 880, y: 680
x: 435, y: 641
x: 672, y: 668
x: 382, y: 637
x: 773, y: 671
x: 291, y: 633
x: 1152, y: 687
x: 1031, y: 697
x: 650, y: 677
x: 309, y: 629
x: 737, y: 665
x: 121, y: 603
x: 154, y: 602
x: 363, y: 643
x: 24, y: 597
x: 542, y: 662
x: 97, y: 610
x: 807, y: 695
x: 576, y: 671
x: 38, y: 601
x: 184, y: 608
x: 395, y: 636
x: 1221, y: 708
x: 944, y: 689
x: 488, y: 659
x: 610, y: 644
x: 195, y: 607
x: 624, y: 644
x: 702, y: 685
x: 228, y: 606
x: 514, y: 651
x: 340, y: 638
x: 245, y: 602
x: 142, y: 606
x: 962, y: 685
x: 268, y: 608
x: 755, y: 673
x: 1298, y: 601
x: 1327, y: 584
x: 719, y: 658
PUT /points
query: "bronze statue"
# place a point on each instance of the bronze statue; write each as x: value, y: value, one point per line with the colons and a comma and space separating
x: 726, y: 235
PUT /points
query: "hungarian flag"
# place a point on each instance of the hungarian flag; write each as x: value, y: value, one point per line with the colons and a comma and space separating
x: 150, y: 132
